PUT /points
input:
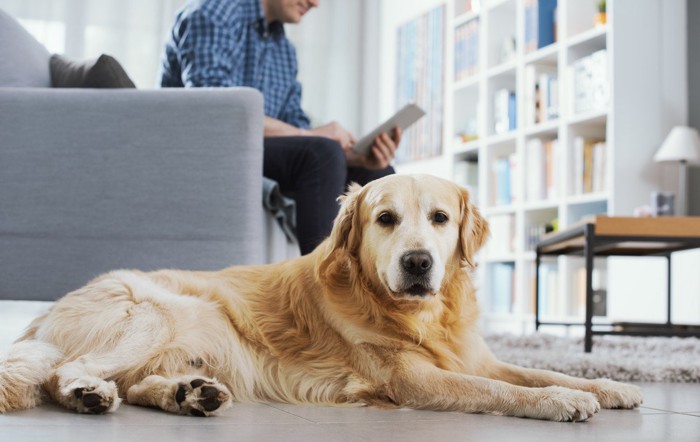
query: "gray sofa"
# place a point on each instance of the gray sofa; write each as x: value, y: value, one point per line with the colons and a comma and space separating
x: 97, y: 179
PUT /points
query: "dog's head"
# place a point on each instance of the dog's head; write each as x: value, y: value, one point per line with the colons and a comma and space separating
x: 407, y: 232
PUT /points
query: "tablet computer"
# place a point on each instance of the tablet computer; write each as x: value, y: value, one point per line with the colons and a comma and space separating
x: 404, y: 118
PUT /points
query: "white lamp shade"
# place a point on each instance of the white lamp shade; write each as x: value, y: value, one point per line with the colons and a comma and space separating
x: 681, y: 144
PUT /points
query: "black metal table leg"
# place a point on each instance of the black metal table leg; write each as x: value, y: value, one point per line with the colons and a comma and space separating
x: 537, y: 289
x: 668, y: 294
x: 588, y: 253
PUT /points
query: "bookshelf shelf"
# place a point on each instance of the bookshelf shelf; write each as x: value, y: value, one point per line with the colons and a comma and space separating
x: 495, y: 4
x: 506, y: 69
x: 590, y: 40
x: 501, y: 139
x: 467, y: 149
x: 499, y: 259
x: 588, y: 198
x: 547, y: 55
x: 566, y: 122
x: 546, y: 128
x: 466, y: 83
x: 465, y: 17
x: 498, y: 210
x: 587, y: 118
x: 532, y: 206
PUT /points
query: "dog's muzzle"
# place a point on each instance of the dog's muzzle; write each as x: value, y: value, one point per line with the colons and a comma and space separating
x: 416, y: 266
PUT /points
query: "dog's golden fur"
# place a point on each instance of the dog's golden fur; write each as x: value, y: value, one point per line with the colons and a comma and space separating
x: 355, y: 322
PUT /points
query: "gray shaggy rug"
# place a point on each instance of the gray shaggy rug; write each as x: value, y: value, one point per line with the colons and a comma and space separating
x: 622, y: 358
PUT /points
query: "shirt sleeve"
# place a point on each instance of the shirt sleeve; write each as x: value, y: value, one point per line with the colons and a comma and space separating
x: 209, y: 52
x: 293, y: 113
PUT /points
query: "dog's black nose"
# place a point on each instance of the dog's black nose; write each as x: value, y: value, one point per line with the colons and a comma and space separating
x: 417, y: 262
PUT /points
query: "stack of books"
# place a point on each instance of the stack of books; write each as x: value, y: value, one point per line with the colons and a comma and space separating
x: 466, y: 50
x: 589, y: 165
x: 541, y: 94
x: 540, y: 24
x: 504, y: 111
x: 505, y: 183
x: 540, y: 160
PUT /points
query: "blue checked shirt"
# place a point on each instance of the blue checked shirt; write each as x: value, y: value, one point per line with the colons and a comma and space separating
x: 222, y: 43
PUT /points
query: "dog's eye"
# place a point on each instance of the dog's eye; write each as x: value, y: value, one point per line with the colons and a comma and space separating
x: 439, y: 218
x: 386, y: 219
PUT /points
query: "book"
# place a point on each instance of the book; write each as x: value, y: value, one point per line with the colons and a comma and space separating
x: 466, y: 49
x: 403, y: 118
x: 504, y: 111
x: 545, y: 22
x: 585, y: 171
x: 540, y: 24
x: 541, y: 94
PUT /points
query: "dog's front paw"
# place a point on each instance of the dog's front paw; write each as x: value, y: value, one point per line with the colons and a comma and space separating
x: 91, y: 396
x: 613, y: 394
x: 565, y: 405
x: 200, y: 397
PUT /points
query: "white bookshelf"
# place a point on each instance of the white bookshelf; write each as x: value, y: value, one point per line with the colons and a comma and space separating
x: 644, y: 77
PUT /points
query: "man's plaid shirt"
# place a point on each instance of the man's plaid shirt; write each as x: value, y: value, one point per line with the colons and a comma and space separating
x: 223, y: 43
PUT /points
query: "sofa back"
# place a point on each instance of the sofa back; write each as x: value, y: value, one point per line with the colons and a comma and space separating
x: 24, y: 62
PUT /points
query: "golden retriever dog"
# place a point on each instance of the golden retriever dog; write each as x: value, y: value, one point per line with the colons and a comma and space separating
x: 382, y: 313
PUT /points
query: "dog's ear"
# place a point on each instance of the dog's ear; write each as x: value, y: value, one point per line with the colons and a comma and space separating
x: 474, y: 230
x: 346, y: 228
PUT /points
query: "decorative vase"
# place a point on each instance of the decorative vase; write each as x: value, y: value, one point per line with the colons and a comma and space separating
x: 600, y: 19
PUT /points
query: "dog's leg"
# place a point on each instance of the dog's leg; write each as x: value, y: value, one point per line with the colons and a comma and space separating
x: 80, y: 385
x: 610, y: 394
x: 193, y: 395
x: 424, y: 386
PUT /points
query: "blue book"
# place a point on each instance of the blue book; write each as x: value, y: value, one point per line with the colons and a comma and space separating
x: 545, y: 22
x: 503, y: 198
x: 511, y: 111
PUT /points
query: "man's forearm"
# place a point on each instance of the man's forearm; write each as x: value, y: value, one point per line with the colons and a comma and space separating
x: 278, y: 128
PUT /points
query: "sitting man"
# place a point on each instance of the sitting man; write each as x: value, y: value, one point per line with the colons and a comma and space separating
x: 223, y: 43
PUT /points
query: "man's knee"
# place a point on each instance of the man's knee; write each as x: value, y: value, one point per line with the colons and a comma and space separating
x: 329, y: 153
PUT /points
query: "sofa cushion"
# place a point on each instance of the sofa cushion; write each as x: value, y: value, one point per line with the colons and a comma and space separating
x: 24, y: 62
x: 104, y: 72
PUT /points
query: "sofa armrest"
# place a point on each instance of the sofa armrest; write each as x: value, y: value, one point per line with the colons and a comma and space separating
x: 93, y: 180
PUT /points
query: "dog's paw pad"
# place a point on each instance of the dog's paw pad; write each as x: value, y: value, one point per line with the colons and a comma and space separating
x: 92, y: 401
x: 201, y: 398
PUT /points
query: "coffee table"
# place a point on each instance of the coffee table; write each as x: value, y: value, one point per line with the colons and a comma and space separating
x: 603, y: 236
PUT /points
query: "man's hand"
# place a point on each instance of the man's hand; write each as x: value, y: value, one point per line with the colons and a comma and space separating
x: 334, y: 131
x: 383, y: 151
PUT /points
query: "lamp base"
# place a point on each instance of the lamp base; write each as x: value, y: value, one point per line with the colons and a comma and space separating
x: 682, y: 205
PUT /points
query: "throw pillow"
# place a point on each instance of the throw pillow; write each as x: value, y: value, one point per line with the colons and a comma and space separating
x: 104, y: 72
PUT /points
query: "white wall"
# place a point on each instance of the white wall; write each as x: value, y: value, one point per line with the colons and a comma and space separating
x: 132, y: 31
x: 329, y: 48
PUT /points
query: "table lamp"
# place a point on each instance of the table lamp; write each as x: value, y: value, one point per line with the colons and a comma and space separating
x: 681, y: 145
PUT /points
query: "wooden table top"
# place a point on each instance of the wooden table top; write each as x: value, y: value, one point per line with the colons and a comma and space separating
x: 626, y: 236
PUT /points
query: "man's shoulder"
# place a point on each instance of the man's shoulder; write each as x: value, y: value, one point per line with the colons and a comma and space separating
x: 222, y: 11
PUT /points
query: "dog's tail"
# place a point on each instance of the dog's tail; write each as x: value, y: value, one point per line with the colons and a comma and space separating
x: 23, y: 370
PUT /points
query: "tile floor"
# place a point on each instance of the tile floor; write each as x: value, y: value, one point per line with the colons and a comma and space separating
x: 670, y: 413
